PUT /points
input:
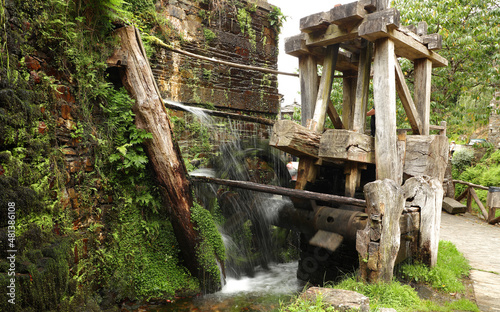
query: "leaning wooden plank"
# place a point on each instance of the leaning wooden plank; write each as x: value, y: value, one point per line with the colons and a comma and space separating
x: 452, y: 206
x: 271, y: 189
x: 295, y: 139
x: 479, y: 203
x: 334, y: 116
x: 340, y: 144
x: 426, y: 155
x: 407, y: 101
x: 349, y: 84
x: 163, y: 152
x: 325, y: 88
x: 308, y: 74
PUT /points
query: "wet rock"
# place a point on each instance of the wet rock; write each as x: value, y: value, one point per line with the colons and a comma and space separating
x: 340, y: 299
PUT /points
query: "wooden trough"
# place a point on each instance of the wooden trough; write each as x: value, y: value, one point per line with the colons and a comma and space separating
x: 365, y: 40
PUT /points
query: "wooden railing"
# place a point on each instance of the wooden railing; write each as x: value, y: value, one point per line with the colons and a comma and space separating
x: 470, y: 193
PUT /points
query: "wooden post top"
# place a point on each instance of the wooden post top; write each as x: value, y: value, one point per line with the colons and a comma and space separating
x: 369, y: 19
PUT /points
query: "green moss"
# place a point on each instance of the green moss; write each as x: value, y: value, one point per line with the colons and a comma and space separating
x: 211, y: 249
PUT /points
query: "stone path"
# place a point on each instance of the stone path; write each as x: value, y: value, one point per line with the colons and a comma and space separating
x: 480, y: 244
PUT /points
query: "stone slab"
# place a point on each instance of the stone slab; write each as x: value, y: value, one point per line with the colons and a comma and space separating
x: 452, y: 206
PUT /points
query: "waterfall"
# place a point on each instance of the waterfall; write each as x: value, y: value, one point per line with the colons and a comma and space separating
x: 252, y: 243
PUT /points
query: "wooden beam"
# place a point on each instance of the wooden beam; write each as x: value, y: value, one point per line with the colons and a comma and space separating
x: 315, y: 22
x: 347, y: 13
x: 295, y: 139
x: 347, y: 145
x: 471, y: 185
x: 271, y: 189
x: 384, y: 95
x: 411, y: 49
x: 332, y: 35
x: 308, y: 73
x: 423, y: 74
x: 377, y: 24
x: 407, y: 101
x: 479, y: 203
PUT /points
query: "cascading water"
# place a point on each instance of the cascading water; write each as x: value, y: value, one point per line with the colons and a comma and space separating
x: 255, y: 249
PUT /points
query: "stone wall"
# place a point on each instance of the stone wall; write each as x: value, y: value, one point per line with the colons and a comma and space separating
x: 494, y: 126
x: 239, y: 32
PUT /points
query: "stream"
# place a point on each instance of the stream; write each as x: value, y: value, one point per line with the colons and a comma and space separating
x: 262, y: 292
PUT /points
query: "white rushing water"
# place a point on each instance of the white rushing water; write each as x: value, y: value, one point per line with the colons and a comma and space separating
x: 279, y: 279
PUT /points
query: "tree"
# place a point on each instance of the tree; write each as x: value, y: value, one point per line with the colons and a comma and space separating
x: 471, y: 43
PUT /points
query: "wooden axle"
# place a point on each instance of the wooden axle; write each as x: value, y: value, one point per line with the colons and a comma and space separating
x: 294, y: 193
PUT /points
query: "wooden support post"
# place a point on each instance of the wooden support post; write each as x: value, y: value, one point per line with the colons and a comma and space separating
x: 469, y: 200
x: 378, y: 244
x: 384, y: 94
x: 423, y: 71
x: 352, y: 170
x: 334, y: 116
x: 308, y: 73
x: 362, y: 88
x: 427, y: 193
x: 349, y: 98
x: 307, y: 168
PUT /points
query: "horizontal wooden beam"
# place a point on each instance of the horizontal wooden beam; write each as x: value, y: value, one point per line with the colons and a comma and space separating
x: 347, y: 145
x: 471, y: 184
x: 271, y: 189
x: 294, y: 139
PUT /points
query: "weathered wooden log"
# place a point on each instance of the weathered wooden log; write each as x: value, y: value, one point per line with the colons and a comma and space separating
x: 341, y: 144
x: 295, y: 139
x: 426, y: 155
x: 271, y: 189
x: 427, y: 193
x: 385, y: 203
x: 164, y: 154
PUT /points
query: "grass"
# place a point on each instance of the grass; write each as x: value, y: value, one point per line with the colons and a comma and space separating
x: 445, y: 277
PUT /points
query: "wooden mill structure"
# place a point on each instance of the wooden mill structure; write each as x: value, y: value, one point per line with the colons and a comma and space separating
x: 365, y: 40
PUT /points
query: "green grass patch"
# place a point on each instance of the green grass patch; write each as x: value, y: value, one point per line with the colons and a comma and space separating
x: 446, y: 277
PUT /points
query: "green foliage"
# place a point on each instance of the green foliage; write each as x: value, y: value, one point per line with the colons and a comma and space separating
x: 299, y: 305
x: 471, y: 43
x: 245, y: 21
x: 462, y: 159
x: 276, y: 19
x: 211, y: 249
x: 446, y: 275
x: 210, y: 36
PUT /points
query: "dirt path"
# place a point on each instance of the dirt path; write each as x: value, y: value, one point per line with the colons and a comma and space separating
x: 480, y: 244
